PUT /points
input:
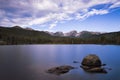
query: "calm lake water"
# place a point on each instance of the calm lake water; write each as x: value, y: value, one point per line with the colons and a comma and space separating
x: 30, y: 62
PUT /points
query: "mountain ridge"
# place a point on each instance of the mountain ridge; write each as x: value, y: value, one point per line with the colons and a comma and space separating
x: 74, y: 33
x: 17, y: 35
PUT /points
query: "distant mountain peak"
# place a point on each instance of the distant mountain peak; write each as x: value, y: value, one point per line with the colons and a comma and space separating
x: 74, y: 33
x: 18, y: 27
x: 58, y: 33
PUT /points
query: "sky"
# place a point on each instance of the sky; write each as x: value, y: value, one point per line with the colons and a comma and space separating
x: 62, y: 15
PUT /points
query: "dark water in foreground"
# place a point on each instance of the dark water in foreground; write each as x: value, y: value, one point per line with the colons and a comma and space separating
x: 29, y: 62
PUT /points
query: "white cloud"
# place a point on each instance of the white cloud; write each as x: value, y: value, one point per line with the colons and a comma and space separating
x: 117, y: 4
x: 39, y: 12
x: 52, y: 25
x: 44, y: 5
x: 91, y: 13
x: 2, y: 12
x: 97, y: 12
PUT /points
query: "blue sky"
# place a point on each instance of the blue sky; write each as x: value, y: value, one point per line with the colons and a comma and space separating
x: 62, y: 15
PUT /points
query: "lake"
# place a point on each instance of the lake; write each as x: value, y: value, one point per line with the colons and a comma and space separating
x: 30, y: 62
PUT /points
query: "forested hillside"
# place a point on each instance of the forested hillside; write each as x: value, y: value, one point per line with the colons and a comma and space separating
x: 17, y: 35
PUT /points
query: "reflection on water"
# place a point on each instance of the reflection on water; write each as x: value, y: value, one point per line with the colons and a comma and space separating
x: 29, y: 62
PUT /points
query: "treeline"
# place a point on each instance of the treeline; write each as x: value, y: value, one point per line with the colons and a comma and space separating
x: 10, y: 36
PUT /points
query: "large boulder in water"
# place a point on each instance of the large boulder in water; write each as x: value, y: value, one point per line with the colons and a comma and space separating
x: 91, y: 61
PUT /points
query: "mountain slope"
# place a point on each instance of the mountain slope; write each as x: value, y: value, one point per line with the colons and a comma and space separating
x: 17, y: 35
x: 74, y: 33
x: 22, y: 32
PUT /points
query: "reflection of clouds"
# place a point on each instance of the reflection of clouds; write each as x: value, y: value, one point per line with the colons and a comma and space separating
x: 29, y: 62
x: 43, y: 54
x: 52, y: 51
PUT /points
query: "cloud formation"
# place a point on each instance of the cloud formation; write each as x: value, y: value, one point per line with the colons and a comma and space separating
x: 39, y: 12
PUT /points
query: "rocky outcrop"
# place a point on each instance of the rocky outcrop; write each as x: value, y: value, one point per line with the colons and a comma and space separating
x: 60, y: 70
x: 71, y: 33
x: 58, y: 34
x: 92, y: 63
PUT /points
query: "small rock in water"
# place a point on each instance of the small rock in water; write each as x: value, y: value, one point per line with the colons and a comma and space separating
x: 108, y: 68
x: 60, y: 70
x: 103, y: 64
x: 75, y: 62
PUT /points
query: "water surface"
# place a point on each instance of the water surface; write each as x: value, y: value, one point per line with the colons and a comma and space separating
x: 30, y: 62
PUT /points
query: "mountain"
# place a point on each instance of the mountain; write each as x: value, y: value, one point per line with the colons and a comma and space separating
x: 74, y: 33
x: 71, y: 33
x: 17, y: 27
x: 87, y: 34
x: 16, y: 30
x: 58, y: 34
x: 17, y: 35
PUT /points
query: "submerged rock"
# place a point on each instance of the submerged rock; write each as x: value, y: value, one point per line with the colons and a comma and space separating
x: 92, y: 63
x: 103, y: 65
x: 60, y: 70
x: 97, y: 70
x: 76, y: 62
